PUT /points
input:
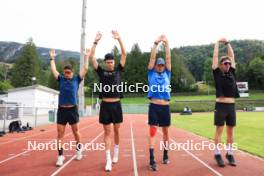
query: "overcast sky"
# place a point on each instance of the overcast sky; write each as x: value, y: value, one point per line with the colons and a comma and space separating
x: 57, y: 23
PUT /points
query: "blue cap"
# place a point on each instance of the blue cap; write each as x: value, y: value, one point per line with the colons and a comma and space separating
x: 160, y: 61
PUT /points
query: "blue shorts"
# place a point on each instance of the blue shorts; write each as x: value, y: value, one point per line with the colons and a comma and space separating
x: 159, y: 115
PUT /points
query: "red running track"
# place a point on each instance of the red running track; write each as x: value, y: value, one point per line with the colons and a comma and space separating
x: 15, y: 159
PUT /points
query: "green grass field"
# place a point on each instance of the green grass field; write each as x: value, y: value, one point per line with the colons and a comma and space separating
x: 249, y: 133
x: 144, y: 100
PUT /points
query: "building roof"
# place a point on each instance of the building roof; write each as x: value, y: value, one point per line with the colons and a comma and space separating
x: 39, y: 87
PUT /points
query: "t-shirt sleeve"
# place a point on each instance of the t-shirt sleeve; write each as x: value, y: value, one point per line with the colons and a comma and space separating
x: 150, y: 73
x: 120, y: 67
x: 216, y: 71
x: 79, y: 79
x: 168, y: 72
x: 99, y: 71
x: 60, y: 77
x: 232, y: 70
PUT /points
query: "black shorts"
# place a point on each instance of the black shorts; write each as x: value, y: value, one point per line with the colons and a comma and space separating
x: 159, y: 115
x: 110, y: 112
x: 67, y: 115
x: 225, y: 113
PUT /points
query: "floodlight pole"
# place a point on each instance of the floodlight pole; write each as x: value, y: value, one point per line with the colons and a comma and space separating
x: 81, y: 86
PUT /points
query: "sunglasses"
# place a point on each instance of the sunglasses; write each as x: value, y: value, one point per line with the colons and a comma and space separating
x: 67, y: 72
x: 227, y: 63
x: 160, y: 65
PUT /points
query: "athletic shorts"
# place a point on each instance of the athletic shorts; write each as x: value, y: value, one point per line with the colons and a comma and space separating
x: 110, y: 112
x: 225, y: 113
x: 67, y: 115
x: 159, y: 115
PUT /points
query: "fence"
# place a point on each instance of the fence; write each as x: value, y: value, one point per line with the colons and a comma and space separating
x: 33, y: 116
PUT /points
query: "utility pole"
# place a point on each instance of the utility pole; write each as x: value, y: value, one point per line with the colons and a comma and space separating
x: 81, y: 87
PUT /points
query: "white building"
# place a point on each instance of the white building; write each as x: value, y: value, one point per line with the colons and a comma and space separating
x: 33, y: 96
x: 30, y: 104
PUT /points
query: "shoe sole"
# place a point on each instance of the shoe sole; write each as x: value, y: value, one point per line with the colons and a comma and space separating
x: 153, y: 169
x: 58, y: 165
x: 221, y: 166
x: 234, y: 165
x: 165, y: 162
x: 78, y: 159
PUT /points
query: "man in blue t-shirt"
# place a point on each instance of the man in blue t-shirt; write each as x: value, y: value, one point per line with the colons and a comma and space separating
x: 68, y: 110
x: 159, y: 76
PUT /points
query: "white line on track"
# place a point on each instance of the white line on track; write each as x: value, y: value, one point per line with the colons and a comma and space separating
x: 133, y: 150
x: 72, y: 158
x: 198, y: 159
x: 22, y: 153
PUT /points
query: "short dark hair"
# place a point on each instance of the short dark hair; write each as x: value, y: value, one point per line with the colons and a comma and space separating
x: 109, y: 56
x: 68, y: 67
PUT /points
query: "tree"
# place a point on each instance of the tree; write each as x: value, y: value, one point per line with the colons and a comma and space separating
x: 207, y: 71
x: 4, y: 86
x: 4, y: 71
x: 256, y: 67
x: 27, y: 66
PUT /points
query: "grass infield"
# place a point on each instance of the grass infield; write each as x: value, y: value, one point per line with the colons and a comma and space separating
x: 249, y: 132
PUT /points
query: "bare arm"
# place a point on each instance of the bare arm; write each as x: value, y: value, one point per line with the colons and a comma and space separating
x: 123, y: 50
x: 84, y: 70
x: 168, y: 52
x: 215, y: 56
x: 96, y: 40
x: 53, y: 65
x: 230, y: 54
x: 153, y: 54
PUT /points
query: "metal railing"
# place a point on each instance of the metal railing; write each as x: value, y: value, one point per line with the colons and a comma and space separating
x: 31, y: 116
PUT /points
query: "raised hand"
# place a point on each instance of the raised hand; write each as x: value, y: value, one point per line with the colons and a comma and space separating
x: 98, y: 36
x: 223, y: 40
x: 115, y: 34
x: 52, y: 53
x: 158, y: 40
x: 164, y: 38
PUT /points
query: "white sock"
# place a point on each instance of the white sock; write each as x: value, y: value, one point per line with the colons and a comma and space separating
x: 108, y: 155
x: 116, y: 148
x: 217, y: 151
x: 229, y: 149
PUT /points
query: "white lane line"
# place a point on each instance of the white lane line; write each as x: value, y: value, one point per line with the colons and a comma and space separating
x: 133, y: 150
x: 19, y: 154
x: 198, y: 159
x: 210, y: 140
x: 72, y: 158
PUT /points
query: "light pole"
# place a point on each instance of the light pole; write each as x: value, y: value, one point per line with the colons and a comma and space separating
x: 81, y: 89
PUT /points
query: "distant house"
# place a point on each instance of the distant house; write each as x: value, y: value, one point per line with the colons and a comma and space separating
x: 30, y: 104
x: 33, y: 96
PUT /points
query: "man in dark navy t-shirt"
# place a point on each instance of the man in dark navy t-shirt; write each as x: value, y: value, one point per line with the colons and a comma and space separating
x: 110, y: 108
x: 226, y: 92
